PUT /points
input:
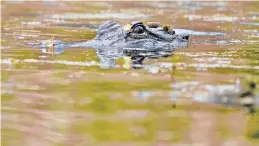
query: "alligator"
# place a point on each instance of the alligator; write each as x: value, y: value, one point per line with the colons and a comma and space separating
x: 136, y: 34
x: 151, y: 36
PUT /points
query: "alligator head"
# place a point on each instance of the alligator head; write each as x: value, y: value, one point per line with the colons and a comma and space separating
x: 137, y: 35
x: 132, y: 35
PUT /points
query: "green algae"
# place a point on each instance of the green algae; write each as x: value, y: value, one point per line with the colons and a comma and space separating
x: 87, y: 7
x: 21, y: 53
x: 77, y: 55
x: 10, y: 136
x: 121, y: 85
x: 102, y: 130
x: 4, y: 76
x: 203, y: 107
x: 137, y: 130
x: 252, y: 129
x: 178, y: 126
x: 6, y: 97
x: 68, y: 32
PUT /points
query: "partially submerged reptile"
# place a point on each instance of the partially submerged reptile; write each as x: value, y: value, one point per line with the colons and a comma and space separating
x: 151, y: 36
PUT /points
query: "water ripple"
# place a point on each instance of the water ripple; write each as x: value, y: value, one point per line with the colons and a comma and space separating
x: 98, y: 16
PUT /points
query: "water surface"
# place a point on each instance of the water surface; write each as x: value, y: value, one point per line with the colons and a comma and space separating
x: 88, y: 96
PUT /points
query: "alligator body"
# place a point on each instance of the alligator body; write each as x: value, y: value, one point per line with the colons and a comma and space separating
x: 132, y: 35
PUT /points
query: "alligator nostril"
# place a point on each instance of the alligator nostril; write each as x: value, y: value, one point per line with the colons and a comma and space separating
x: 186, y: 37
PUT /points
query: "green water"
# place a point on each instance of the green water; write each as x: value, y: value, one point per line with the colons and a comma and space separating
x: 67, y: 104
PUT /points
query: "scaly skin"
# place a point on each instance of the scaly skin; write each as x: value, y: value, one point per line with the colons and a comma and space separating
x: 112, y: 34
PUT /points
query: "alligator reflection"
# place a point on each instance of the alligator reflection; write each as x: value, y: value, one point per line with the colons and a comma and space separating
x: 133, y: 57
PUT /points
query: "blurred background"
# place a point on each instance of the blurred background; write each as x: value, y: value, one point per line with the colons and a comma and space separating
x: 65, y: 97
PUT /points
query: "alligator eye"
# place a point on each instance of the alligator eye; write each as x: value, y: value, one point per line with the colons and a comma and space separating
x: 138, y: 30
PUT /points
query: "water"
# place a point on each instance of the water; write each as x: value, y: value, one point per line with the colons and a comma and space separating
x: 110, y: 96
